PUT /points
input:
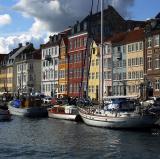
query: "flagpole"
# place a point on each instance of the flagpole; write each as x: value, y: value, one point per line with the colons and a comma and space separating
x: 101, y: 56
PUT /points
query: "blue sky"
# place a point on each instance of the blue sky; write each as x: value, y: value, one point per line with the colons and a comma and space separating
x: 144, y: 9
x: 35, y: 20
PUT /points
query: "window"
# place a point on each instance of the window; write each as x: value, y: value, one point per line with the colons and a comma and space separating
x: 105, y: 75
x: 97, y: 62
x: 124, y: 75
x: 149, y: 42
x: 85, y: 41
x: 129, y: 62
x: 133, y: 48
x: 141, y: 46
x: 157, y: 63
x: 97, y: 75
x: 129, y: 75
x: 141, y: 61
x: 133, y: 62
x: 92, y: 89
x: 93, y: 74
x: 71, y: 58
x: 157, y: 84
x: 56, y: 74
x: 56, y: 62
x: 137, y: 48
x: 156, y: 40
x: 149, y: 62
x: 93, y: 62
x: 124, y: 63
x: 93, y: 51
x: 141, y: 74
x: 70, y: 45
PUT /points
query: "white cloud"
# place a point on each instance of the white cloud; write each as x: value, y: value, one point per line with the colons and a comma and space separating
x: 5, y: 19
x: 52, y: 16
x: 11, y: 42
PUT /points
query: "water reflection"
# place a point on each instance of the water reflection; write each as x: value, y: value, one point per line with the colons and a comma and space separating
x: 51, y: 138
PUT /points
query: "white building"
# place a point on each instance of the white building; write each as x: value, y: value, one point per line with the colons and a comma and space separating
x: 49, y: 66
x: 27, y: 69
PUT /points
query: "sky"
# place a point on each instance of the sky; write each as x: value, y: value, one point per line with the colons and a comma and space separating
x: 34, y: 21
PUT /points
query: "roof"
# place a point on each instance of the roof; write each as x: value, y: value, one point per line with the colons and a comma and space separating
x: 2, y: 56
x: 117, y: 38
x: 157, y: 16
x: 37, y: 54
x: 134, y: 36
x: 54, y: 40
x: 18, y: 51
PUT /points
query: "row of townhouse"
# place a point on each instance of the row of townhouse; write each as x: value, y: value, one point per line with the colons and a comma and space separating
x: 132, y: 62
x: 67, y: 57
x: 19, y: 70
x: 70, y: 62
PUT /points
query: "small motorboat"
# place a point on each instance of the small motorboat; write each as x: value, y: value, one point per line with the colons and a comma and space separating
x: 66, y: 112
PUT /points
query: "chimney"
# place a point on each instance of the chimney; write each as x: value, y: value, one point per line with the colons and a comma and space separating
x: 20, y: 45
x: 27, y: 43
x: 50, y: 39
x: 136, y: 28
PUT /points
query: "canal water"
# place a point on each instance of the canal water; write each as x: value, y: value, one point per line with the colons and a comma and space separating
x: 47, y: 138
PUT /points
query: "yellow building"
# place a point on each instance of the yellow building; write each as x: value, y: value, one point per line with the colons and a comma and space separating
x: 3, y: 73
x: 63, y: 68
x: 6, y: 75
x: 135, y: 61
x: 93, y: 83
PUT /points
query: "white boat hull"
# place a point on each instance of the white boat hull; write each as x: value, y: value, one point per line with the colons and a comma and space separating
x: 118, y: 122
x: 62, y: 116
x: 17, y: 111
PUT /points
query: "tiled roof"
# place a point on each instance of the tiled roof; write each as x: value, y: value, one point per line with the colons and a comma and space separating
x: 2, y: 56
x: 117, y: 38
x: 134, y: 36
x: 13, y: 56
x: 37, y: 54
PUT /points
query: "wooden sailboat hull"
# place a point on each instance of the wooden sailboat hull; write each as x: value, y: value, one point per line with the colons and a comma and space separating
x: 137, y: 121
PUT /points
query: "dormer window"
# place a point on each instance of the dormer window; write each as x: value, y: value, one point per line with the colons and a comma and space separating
x: 78, y: 27
x: 73, y: 30
x: 85, y: 26
x: 156, y: 40
x: 149, y: 42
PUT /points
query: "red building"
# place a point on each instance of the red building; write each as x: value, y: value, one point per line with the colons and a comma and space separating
x: 77, y: 60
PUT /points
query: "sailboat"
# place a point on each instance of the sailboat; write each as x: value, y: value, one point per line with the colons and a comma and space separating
x: 117, y: 111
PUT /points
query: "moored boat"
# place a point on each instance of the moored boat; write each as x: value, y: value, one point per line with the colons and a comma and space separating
x: 124, y: 114
x: 66, y: 112
x: 28, y: 108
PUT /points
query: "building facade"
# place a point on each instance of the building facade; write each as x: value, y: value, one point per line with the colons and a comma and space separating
x: 152, y: 58
x: 63, y: 68
x: 49, y: 66
x: 93, y: 82
x: 135, y: 61
x: 27, y: 67
x: 78, y: 55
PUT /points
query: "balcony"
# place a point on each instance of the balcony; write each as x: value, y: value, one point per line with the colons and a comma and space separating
x: 48, y: 58
x: 118, y: 55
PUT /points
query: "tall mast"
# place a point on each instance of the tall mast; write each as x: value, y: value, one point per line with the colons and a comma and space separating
x: 101, y: 56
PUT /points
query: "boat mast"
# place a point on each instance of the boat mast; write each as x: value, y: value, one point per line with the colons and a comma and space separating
x: 101, y: 56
